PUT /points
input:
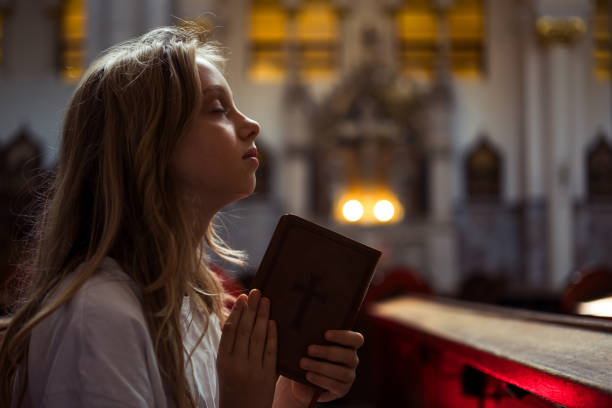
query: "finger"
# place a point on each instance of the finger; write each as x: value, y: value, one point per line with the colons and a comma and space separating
x: 269, y: 361
x: 336, y: 354
x: 337, y: 372
x: 303, y: 392
x: 334, y: 387
x: 345, y: 338
x: 228, y: 336
x: 258, y: 337
x: 245, y: 327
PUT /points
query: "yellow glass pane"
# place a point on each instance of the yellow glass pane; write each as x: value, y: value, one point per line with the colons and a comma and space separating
x: 417, y: 29
x: 73, y: 27
x: 317, y: 21
x: 602, y: 39
x: 466, y: 25
x: 268, y: 32
x: 268, y: 21
x: 417, y: 63
x: 417, y: 25
x: 267, y: 65
x: 318, y: 63
x: 314, y: 33
x: 317, y: 36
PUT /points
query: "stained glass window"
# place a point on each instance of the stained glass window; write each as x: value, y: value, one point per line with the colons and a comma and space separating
x: 268, y: 35
x: 418, y: 30
x: 317, y: 34
x: 417, y: 25
x: 72, y: 39
x: 601, y: 37
x: 311, y: 30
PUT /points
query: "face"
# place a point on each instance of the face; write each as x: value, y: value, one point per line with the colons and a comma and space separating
x: 215, y: 161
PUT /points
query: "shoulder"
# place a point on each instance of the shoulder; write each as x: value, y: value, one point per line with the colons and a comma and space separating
x: 105, y: 315
x: 110, y: 291
x: 106, y: 308
x: 97, y: 347
x: 109, y: 303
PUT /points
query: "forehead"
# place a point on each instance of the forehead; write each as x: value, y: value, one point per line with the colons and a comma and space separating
x: 210, y: 76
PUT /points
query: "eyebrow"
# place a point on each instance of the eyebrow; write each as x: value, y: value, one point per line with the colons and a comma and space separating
x: 214, y: 88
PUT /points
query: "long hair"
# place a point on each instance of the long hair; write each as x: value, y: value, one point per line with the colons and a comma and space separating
x: 113, y: 195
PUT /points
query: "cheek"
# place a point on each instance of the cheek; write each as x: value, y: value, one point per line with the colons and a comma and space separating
x: 197, y: 163
x: 186, y: 159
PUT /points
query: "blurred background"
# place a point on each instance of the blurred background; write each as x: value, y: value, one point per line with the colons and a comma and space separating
x: 469, y: 140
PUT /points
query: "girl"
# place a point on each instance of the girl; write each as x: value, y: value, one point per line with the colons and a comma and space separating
x: 123, y: 309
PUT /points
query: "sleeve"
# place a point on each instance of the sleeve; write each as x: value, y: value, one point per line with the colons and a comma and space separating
x: 107, y: 358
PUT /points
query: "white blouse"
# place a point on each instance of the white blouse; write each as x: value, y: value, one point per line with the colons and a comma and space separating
x: 96, y: 351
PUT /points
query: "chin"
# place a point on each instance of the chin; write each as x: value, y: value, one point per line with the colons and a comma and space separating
x: 245, y: 194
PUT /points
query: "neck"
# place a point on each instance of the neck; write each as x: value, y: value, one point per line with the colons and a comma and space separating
x: 200, y: 216
x: 201, y: 224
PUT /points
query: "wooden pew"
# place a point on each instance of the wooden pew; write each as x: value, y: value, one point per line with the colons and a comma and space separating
x: 433, y: 352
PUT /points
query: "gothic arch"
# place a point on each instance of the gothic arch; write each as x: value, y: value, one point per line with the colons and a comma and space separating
x: 482, y: 169
x: 20, y: 154
x: 599, y: 169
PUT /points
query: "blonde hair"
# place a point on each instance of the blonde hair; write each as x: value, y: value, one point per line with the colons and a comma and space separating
x: 113, y: 196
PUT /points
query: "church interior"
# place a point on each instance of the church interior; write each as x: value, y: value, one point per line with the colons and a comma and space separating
x: 470, y: 141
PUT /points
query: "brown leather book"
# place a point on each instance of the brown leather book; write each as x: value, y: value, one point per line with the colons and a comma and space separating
x: 316, y: 280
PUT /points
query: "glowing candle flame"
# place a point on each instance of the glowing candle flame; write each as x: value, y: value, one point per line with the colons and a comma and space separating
x: 352, y: 210
x: 383, y: 210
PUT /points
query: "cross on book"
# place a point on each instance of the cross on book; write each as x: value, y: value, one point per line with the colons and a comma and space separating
x: 310, y: 292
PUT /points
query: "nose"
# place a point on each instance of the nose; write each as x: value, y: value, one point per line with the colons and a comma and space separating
x: 249, y: 129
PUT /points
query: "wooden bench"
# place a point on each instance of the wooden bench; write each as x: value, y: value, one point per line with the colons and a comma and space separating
x: 434, y: 352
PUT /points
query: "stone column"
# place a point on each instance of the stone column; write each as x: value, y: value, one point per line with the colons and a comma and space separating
x: 534, y: 237
x: 113, y: 21
x: 297, y: 137
x: 560, y: 26
x: 297, y: 171
x: 441, y: 242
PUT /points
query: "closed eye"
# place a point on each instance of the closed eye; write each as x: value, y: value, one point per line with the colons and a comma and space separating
x: 218, y: 107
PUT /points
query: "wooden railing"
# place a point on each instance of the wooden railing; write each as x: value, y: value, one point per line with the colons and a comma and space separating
x: 444, y: 353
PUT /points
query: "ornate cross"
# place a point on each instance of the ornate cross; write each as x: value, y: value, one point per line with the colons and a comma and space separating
x: 309, y: 292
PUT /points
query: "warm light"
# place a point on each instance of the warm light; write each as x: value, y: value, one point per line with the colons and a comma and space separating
x: 352, y: 210
x: 383, y: 210
x: 368, y: 206
x: 73, y: 33
x: 599, y: 307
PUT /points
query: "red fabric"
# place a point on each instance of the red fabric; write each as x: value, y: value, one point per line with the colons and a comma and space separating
x: 398, y: 281
x: 230, y: 285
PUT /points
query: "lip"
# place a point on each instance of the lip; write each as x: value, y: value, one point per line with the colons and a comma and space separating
x: 251, y: 153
